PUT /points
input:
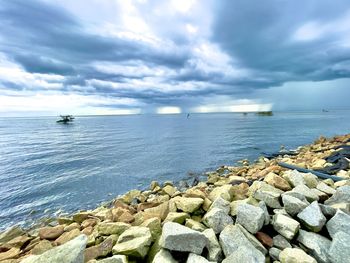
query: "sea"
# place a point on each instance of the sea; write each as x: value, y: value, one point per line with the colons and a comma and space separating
x: 47, y: 167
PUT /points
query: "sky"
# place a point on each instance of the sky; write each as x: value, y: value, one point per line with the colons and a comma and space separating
x: 173, y: 56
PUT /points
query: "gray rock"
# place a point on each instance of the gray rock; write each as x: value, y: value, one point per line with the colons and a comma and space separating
x: 312, y: 217
x: 285, y: 226
x: 253, y: 240
x: 280, y: 242
x: 318, y: 245
x: 306, y: 191
x: 250, y: 217
x: 293, y: 205
x: 70, y: 252
x: 193, y: 258
x: 163, y: 256
x: 339, y: 222
x: 269, y: 194
x: 134, y: 242
x: 274, y: 253
x: 232, y: 239
x: 263, y: 206
x: 295, y: 255
x: 300, y: 196
x: 342, y: 195
x: 294, y: 178
x: 325, y: 188
x: 115, y: 259
x: 217, y: 219
x: 222, y: 204
x: 327, y: 210
x: 339, y: 251
x: 213, y: 246
x: 180, y: 238
x: 244, y: 254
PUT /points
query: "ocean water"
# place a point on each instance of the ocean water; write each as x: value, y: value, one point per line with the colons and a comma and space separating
x: 46, y: 166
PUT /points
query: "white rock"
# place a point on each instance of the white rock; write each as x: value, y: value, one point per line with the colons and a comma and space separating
x: 250, y: 217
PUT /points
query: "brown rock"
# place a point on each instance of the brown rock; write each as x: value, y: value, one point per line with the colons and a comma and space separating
x: 100, y: 250
x: 41, y: 247
x: 88, y: 231
x: 240, y: 191
x: 67, y: 236
x: 80, y: 217
x: 51, y: 232
x: 143, y: 206
x: 161, y: 211
x: 12, y: 253
x: 265, y: 239
x: 89, y: 222
x: 277, y: 181
x: 19, y: 241
x: 71, y: 227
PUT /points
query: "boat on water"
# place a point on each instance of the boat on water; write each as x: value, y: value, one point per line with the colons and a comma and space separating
x: 65, y: 119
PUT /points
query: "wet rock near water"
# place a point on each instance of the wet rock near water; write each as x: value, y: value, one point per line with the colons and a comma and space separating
x: 257, y: 212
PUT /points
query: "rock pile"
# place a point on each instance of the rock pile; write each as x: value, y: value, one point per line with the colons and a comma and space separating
x: 251, y: 213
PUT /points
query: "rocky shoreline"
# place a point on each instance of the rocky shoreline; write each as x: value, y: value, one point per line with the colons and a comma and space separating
x: 258, y: 212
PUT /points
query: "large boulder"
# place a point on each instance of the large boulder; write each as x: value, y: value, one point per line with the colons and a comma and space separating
x: 70, y: 252
x: 51, y: 232
x: 269, y: 194
x: 312, y: 217
x: 188, y: 204
x: 180, y: 238
x: 232, y: 238
x: 217, y: 219
x: 294, y: 177
x: 251, y: 217
x: 318, y: 245
x: 342, y: 195
x: 100, y: 250
x: 339, y: 251
x: 225, y: 191
x: 339, y: 222
x: 213, y: 246
x: 295, y: 255
x: 134, y: 242
x: 164, y: 256
x: 293, y: 205
x: 306, y: 191
x: 222, y: 204
x: 277, y: 181
x: 285, y: 226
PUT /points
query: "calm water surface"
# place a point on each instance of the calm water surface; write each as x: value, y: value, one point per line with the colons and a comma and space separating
x: 46, y: 166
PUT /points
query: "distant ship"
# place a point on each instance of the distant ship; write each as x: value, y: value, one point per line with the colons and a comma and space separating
x: 65, y: 119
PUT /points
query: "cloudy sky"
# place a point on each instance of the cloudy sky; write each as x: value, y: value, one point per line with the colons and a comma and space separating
x: 161, y: 56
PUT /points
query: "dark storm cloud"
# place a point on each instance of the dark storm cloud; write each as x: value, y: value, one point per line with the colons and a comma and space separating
x: 35, y: 29
x: 259, y: 35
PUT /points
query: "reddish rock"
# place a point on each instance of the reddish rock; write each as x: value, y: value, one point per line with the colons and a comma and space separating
x: 265, y: 239
x: 89, y: 222
x: 51, y: 232
x: 143, y: 206
x: 100, y: 250
x: 88, y: 231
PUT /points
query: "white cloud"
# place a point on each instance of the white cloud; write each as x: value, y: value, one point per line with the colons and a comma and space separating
x: 168, y: 110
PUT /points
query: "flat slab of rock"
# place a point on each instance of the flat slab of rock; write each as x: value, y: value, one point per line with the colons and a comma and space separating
x: 285, y: 226
x: 134, y: 242
x: 339, y: 251
x: 217, y: 219
x: 70, y: 252
x: 111, y: 228
x: 339, y: 222
x: 291, y: 255
x: 10, y: 234
x: 180, y: 238
x: 250, y: 217
x: 312, y: 217
x: 318, y: 245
